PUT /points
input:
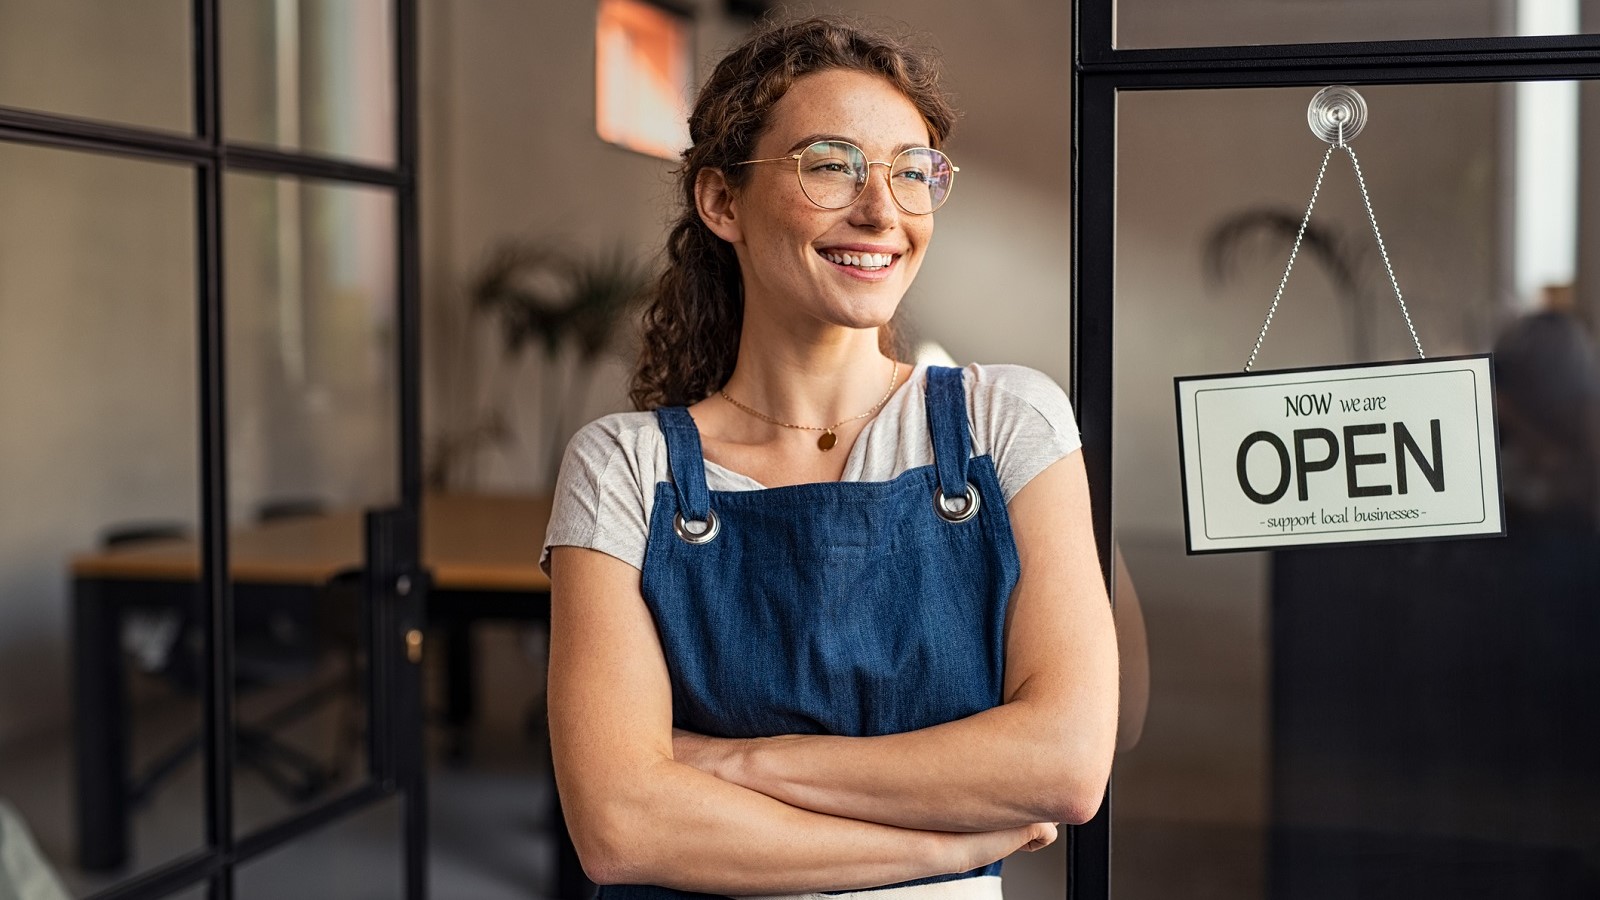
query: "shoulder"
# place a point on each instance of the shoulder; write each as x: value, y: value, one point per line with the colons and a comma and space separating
x: 628, y: 440
x: 1021, y: 418
x: 1014, y: 386
x: 621, y: 429
x: 1017, y: 395
x: 603, y: 492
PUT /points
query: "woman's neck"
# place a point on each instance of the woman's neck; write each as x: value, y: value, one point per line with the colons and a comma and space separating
x: 819, y: 381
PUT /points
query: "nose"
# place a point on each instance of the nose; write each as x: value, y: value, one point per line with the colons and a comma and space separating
x: 876, y: 207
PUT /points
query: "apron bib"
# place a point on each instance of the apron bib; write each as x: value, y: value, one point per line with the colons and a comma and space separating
x: 845, y: 608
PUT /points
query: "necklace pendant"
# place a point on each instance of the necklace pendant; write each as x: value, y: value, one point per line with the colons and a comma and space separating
x: 826, y: 442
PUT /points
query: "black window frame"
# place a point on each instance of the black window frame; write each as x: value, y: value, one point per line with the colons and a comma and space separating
x: 395, y: 582
x: 1100, y: 73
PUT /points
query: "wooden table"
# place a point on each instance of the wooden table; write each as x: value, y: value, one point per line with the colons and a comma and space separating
x: 471, y: 542
x: 483, y: 554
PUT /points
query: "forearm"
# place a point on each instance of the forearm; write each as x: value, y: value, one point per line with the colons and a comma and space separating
x: 671, y: 825
x: 998, y: 769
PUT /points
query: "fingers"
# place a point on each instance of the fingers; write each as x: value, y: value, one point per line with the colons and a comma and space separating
x: 1042, y: 835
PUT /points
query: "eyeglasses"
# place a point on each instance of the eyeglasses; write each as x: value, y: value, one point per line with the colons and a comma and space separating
x: 834, y: 173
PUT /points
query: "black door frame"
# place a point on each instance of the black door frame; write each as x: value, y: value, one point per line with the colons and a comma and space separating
x: 1101, y: 72
x: 395, y: 583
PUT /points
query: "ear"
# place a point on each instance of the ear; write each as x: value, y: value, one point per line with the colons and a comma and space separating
x: 718, y: 207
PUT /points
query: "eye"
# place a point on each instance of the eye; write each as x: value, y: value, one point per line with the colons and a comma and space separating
x: 833, y: 167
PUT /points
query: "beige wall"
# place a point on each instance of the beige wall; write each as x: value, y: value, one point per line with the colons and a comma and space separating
x: 140, y: 51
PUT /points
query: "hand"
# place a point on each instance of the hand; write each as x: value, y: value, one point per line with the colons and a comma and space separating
x: 977, y: 849
x: 1044, y: 834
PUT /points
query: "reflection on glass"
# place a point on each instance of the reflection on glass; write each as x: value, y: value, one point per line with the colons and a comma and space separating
x: 311, y: 75
x: 98, y: 468
x: 313, y: 400
x: 1417, y: 716
x: 120, y: 62
x: 1216, y: 23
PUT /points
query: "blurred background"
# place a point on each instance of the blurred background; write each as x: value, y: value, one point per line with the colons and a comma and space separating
x: 1411, y: 721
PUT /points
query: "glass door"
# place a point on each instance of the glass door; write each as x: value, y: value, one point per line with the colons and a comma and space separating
x: 1405, y: 719
x: 211, y: 587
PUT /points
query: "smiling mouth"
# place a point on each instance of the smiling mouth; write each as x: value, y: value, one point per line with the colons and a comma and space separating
x: 867, y: 262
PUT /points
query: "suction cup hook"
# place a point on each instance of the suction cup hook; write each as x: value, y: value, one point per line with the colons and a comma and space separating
x: 1337, y: 114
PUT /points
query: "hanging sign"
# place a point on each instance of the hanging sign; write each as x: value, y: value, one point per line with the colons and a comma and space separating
x: 1359, y: 453
x: 1379, y: 452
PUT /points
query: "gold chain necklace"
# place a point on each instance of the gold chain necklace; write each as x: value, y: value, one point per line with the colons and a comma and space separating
x: 826, y: 441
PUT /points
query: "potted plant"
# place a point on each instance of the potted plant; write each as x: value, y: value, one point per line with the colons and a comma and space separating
x: 567, y: 306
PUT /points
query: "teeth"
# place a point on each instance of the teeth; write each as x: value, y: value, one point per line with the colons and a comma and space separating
x: 860, y: 260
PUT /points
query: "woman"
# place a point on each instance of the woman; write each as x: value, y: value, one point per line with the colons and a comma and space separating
x: 824, y: 621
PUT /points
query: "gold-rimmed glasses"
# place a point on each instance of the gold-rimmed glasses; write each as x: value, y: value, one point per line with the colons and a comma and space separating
x: 834, y: 173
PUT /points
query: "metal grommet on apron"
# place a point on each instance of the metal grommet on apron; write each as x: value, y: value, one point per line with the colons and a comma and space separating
x: 957, y: 509
x: 700, y: 531
x: 853, y: 608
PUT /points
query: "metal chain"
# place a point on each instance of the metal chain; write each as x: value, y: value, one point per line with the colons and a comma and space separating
x: 1416, y: 341
x: 894, y: 379
x: 1372, y: 219
x: 1299, y: 236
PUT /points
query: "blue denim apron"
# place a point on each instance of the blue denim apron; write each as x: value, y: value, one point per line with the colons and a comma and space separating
x: 848, y: 608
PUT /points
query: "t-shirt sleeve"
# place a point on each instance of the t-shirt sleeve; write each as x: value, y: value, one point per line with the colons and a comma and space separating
x: 600, y: 498
x: 1024, y: 420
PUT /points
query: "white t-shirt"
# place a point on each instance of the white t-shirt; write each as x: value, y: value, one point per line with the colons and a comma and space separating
x: 609, y: 475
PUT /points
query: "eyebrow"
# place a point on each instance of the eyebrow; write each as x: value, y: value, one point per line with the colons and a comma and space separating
x: 810, y: 139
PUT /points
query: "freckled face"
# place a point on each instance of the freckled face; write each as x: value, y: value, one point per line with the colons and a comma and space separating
x: 847, y: 267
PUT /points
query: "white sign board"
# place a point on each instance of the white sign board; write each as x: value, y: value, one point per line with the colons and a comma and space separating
x: 1362, y: 453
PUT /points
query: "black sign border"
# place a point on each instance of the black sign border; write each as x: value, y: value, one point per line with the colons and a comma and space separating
x: 1183, y: 469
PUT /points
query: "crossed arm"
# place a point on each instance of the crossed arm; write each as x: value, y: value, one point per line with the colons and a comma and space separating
x: 791, y: 813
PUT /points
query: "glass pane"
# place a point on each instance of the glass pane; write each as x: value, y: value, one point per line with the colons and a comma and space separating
x: 120, y: 62
x: 1212, y: 23
x: 1418, y: 716
x: 313, y: 399
x: 311, y: 75
x: 356, y: 858
x: 99, y: 471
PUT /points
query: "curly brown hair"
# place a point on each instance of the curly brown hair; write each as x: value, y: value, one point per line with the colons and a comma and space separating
x: 693, y: 321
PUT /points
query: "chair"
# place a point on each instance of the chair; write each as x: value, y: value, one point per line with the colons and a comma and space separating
x: 280, y: 638
x: 289, y: 508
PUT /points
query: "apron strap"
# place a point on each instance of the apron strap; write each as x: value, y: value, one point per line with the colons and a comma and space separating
x: 947, y: 420
x: 686, y: 461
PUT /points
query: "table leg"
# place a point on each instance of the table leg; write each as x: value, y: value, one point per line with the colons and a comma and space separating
x: 100, y: 733
x: 460, y: 685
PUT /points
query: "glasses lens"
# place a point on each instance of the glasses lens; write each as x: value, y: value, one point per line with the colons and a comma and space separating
x: 832, y: 173
x: 921, y: 179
